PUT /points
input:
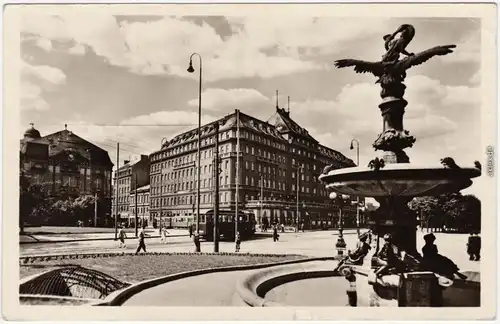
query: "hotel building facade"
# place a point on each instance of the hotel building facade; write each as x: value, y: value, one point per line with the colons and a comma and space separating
x: 275, y: 156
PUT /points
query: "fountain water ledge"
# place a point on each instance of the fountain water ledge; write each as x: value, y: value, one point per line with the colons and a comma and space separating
x: 399, y: 179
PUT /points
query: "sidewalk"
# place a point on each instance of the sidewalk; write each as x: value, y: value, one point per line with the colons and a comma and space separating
x: 80, y: 237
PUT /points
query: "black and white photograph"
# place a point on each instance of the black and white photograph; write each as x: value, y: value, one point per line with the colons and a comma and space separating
x: 264, y: 161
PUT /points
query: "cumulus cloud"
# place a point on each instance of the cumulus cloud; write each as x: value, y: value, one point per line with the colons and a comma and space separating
x: 434, y: 112
x: 475, y: 79
x: 279, y: 47
x: 44, y: 43
x: 34, y: 80
x: 78, y: 49
x: 229, y: 99
x: 468, y: 49
x: 43, y: 73
x: 31, y: 99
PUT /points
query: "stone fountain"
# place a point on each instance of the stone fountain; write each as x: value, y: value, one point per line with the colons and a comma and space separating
x: 390, y: 178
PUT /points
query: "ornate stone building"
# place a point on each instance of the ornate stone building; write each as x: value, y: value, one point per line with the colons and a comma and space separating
x: 128, y: 175
x: 272, y: 155
x: 67, y: 165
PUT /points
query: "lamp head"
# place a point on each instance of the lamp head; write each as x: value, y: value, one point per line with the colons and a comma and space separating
x: 333, y: 195
x: 351, y: 147
x: 190, y: 69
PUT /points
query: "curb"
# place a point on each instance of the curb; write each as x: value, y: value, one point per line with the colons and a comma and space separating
x: 252, y: 290
x: 119, y: 297
x: 34, y: 258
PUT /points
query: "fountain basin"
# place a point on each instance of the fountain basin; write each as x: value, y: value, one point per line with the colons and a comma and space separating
x: 401, y: 179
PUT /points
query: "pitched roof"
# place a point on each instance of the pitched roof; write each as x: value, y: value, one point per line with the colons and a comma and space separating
x: 277, y: 126
x: 285, y: 124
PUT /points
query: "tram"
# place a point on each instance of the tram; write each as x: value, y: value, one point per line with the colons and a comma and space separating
x: 246, y: 224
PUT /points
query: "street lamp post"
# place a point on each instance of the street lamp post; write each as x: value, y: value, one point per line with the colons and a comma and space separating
x: 90, y: 186
x: 191, y: 70
x: 298, y: 167
x: 357, y: 197
x: 340, y: 245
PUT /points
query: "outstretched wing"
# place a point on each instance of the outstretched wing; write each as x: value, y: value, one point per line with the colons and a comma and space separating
x: 376, y: 68
x: 424, y: 56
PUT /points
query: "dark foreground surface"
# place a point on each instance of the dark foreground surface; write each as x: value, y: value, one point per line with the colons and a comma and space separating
x: 135, y: 268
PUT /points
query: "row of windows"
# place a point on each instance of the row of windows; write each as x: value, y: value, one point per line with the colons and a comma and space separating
x: 190, y: 200
x: 207, y: 170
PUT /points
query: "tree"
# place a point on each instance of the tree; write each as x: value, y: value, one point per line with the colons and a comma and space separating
x: 33, y: 202
x: 427, y: 208
x: 471, y: 213
x: 453, y: 210
x: 83, y: 207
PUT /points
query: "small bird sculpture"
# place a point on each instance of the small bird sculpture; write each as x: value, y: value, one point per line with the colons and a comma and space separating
x: 477, y: 164
x: 449, y: 163
x: 376, y: 164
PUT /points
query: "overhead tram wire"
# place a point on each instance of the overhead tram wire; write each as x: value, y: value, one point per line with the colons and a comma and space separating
x: 131, y: 125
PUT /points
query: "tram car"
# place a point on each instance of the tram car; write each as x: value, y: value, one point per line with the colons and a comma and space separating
x: 246, y: 224
x: 181, y: 221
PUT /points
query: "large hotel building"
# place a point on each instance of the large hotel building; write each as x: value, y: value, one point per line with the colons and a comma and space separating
x: 272, y: 155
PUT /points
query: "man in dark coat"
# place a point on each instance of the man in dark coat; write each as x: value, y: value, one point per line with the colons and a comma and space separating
x: 471, y: 242
x: 477, y: 247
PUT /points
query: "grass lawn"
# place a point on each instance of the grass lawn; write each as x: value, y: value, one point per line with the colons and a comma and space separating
x: 135, y: 268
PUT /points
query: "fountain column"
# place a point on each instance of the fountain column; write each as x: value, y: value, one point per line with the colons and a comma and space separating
x: 394, y: 217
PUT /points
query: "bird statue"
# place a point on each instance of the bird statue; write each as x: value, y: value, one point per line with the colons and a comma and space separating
x: 449, y: 163
x: 327, y: 169
x: 477, y: 165
x: 376, y: 164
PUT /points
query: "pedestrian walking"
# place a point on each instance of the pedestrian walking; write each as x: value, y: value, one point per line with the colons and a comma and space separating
x: 470, y: 246
x: 238, y: 242
x: 142, y: 244
x: 164, y: 233
x: 196, y: 241
x: 190, y: 228
x: 276, y: 236
x: 122, y: 236
x: 477, y: 247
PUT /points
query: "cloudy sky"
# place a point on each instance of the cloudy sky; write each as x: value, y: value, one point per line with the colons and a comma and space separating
x: 103, y: 75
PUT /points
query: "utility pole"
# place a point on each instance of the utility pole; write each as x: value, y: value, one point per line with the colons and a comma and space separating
x: 136, y: 216
x: 117, y: 184
x: 237, y: 172
x: 298, y: 186
x: 95, y: 208
x: 261, y: 197
x: 161, y: 186
x: 90, y: 186
x: 216, y: 185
